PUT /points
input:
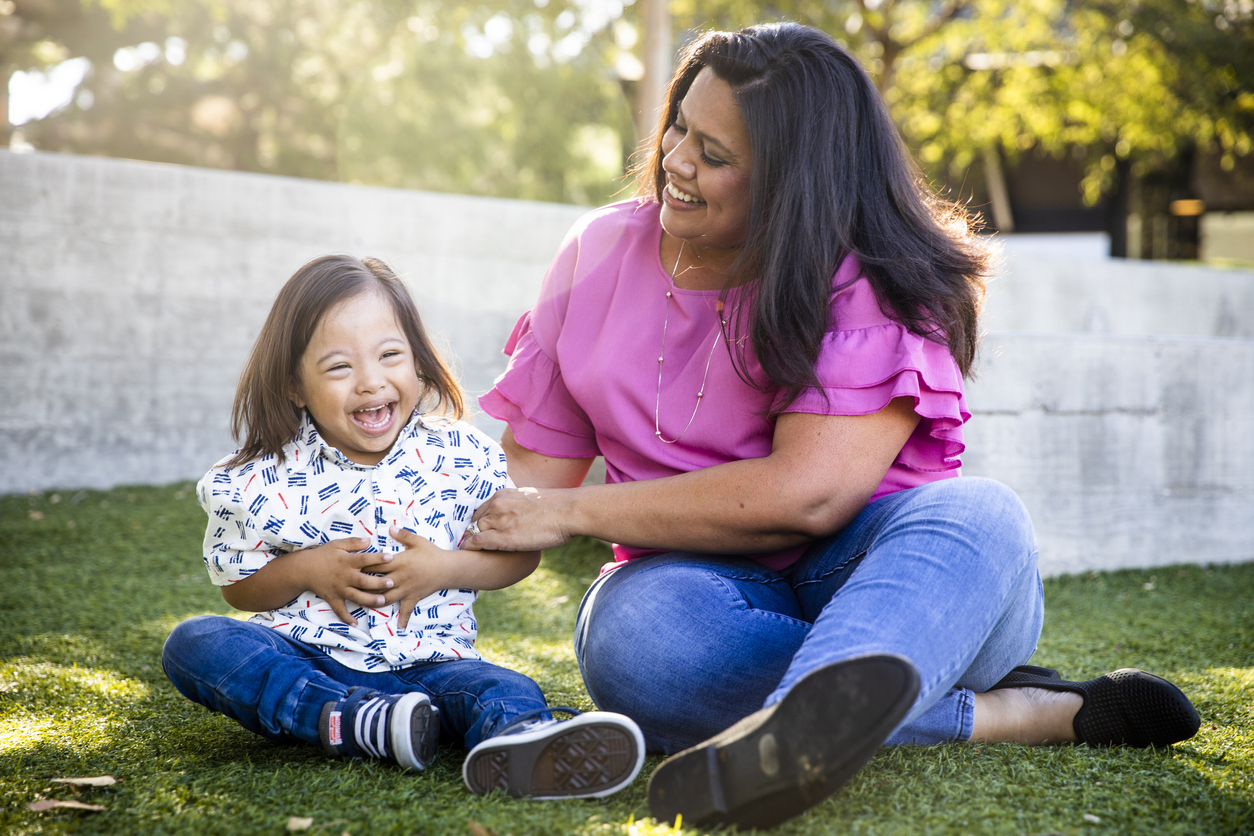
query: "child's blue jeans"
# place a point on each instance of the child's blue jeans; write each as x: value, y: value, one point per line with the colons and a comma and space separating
x: 944, y: 574
x: 276, y: 686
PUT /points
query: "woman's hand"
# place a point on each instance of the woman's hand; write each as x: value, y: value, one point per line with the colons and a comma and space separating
x: 420, y: 570
x: 521, y: 519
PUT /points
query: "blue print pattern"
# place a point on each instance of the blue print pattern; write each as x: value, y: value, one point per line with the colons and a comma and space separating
x: 438, y: 472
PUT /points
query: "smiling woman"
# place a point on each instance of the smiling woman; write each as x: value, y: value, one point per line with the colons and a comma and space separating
x: 768, y: 347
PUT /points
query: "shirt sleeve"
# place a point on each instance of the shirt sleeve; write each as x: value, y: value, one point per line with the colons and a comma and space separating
x: 531, y: 395
x: 234, y: 548
x: 489, y: 474
x: 862, y: 369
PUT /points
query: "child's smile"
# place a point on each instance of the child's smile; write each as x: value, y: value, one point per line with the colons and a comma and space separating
x: 357, y: 378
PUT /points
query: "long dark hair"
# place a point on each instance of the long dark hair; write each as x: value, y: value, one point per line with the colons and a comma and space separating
x: 264, y: 414
x: 830, y: 177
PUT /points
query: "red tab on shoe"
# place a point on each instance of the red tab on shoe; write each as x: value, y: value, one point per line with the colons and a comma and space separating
x: 334, y: 735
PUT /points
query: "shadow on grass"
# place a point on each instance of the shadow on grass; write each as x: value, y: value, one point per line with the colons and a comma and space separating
x: 96, y: 580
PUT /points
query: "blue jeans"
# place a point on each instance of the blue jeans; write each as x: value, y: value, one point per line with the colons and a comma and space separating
x: 944, y: 574
x: 276, y: 686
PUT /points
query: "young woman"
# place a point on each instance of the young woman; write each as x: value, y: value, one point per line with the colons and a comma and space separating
x: 768, y: 349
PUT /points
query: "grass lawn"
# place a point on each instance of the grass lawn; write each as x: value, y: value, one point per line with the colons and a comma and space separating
x: 94, y: 581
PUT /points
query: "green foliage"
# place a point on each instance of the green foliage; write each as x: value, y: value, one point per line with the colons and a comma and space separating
x: 519, y: 98
x: 384, y: 93
x: 96, y: 580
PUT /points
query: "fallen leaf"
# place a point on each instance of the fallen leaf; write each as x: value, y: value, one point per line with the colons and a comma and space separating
x: 98, y: 781
x: 1089, y: 817
x: 50, y: 804
x: 477, y: 829
x: 296, y: 823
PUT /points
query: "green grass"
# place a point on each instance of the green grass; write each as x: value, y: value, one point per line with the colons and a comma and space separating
x: 94, y: 581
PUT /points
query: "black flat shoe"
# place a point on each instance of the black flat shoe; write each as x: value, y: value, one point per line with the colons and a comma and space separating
x: 780, y: 761
x: 1126, y: 707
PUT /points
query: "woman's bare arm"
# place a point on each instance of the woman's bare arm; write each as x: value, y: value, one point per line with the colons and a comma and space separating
x: 820, y: 473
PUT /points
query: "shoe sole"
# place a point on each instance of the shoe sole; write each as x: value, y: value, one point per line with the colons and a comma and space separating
x: 784, y: 759
x: 589, y: 756
x: 414, y: 730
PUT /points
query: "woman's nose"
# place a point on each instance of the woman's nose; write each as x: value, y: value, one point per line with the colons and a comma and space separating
x: 677, y: 162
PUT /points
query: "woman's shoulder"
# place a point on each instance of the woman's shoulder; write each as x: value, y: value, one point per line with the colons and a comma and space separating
x: 854, y: 303
x: 613, y: 223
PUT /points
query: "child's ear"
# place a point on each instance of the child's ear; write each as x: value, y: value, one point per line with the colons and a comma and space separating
x: 294, y: 396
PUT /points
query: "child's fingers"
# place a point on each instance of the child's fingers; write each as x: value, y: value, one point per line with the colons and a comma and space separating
x: 351, y: 544
x: 407, y: 538
x: 341, y: 612
x: 366, y: 599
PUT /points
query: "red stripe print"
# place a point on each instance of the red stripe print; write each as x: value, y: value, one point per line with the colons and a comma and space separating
x: 388, y: 502
x: 418, y: 453
x: 329, y: 507
x: 284, y: 501
x: 368, y: 531
x: 250, y: 481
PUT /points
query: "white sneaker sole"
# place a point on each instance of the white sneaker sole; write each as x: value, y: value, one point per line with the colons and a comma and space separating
x: 589, y: 756
x: 401, y: 730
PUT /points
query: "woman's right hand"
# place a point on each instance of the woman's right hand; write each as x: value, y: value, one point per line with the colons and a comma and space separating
x: 521, y: 520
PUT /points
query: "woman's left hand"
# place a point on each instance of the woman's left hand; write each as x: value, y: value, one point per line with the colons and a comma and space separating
x: 521, y: 520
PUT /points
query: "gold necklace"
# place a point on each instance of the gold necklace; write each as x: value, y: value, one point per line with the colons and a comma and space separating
x: 657, y: 404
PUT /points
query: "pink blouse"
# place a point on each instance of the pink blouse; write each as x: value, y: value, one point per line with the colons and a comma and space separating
x: 582, y: 378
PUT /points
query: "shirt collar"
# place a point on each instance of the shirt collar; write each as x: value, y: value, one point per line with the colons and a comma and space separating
x: 309, y: 444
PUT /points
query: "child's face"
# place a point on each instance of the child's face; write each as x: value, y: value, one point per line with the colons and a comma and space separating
x: 357, y: 378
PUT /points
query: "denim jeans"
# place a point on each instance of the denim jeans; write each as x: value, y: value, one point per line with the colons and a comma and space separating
x: 276, y: 686
x: 944, y: 574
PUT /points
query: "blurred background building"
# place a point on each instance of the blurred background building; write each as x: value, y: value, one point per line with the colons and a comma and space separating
x: 1129, y: 117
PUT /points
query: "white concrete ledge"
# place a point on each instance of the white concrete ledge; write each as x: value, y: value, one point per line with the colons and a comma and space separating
x: 131, y: 292
x: 1127, y: 451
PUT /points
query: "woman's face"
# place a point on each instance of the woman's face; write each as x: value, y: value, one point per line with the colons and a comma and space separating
x: 706, y: 160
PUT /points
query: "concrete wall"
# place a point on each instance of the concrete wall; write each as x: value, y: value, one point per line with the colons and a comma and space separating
x: 1054, y: 283
x: 131, y: 292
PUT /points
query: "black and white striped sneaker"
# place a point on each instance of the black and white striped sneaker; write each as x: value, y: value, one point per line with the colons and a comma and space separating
x: 588, y: 756
x: 401, y: 728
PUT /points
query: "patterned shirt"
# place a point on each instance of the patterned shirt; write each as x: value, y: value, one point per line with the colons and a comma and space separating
x: 436, y: 474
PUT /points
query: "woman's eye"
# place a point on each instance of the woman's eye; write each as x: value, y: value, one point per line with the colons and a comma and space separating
x: 711, y: 161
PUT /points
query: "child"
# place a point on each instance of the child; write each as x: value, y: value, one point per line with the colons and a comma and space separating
x: 338, y: 522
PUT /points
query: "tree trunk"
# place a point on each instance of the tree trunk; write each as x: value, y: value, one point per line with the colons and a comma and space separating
x: 658, y: 60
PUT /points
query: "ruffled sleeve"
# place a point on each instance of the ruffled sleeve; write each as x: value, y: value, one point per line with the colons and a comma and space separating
x: 869, y: 359
x: 533, y: 399
x: 862, y: 370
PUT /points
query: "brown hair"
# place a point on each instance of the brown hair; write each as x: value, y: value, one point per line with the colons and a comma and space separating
x: 264, y: 415
x: 830, y: 177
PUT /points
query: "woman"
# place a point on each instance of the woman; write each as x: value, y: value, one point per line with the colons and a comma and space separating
x: 769, y: 351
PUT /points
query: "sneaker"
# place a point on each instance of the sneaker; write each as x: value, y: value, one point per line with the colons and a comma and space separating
x: 401, y: 728
x: 588, y: 756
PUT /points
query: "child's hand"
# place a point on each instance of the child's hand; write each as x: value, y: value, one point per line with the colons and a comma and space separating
x: 336, y: 573
x: 412, y: 574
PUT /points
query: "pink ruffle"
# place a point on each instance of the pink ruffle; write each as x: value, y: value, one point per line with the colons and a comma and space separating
x: 532, y: 385
x: 862, y: 369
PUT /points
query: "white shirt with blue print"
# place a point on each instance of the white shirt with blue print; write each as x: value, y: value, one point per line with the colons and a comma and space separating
x: 434, y: 477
